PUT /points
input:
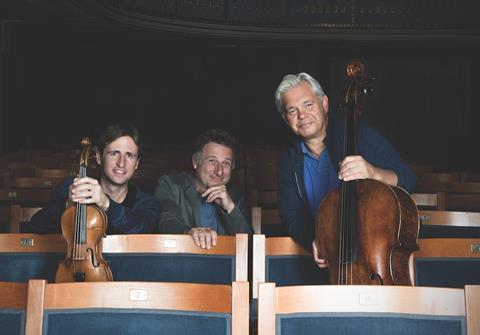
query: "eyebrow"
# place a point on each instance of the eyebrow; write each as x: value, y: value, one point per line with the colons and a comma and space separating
x: 213, y: 156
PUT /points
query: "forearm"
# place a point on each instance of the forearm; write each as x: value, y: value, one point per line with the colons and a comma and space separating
x: 236, y: 221
x: 388, y: 177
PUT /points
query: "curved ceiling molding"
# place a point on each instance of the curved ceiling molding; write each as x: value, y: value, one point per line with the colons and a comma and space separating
x: 298, y: 19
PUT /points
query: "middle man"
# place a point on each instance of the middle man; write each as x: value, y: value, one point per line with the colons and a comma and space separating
x: 201, y: 205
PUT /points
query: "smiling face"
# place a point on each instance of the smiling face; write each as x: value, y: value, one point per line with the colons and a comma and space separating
x: 305, y: 112
x: 119, y: 161
x: 214, y: 166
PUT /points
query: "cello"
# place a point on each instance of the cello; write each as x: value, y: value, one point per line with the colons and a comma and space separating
x: 83, y: 227
x: 365, y: 229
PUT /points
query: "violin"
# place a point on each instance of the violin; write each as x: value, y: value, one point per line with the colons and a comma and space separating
x: 83, y: 227
x: 366, y: 230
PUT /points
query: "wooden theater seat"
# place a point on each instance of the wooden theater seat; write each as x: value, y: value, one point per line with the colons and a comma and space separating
x: 283, y: 261
x: 449, y: 224
x: 359, y: 310
x: 12, y: 308
x: 19, y: 214
x: 137, y: 308
x: 447, y: 262
x: 173, y: 258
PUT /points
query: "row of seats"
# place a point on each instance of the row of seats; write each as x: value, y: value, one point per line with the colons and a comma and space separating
x: 434, y: 223
x: 179, y: 308
x: 440, y: 262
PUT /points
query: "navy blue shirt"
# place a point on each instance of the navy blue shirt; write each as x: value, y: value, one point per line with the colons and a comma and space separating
x: 209, y: 217
x: 137, y: 214
x: 320, y: 177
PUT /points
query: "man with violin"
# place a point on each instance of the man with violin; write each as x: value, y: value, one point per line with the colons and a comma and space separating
x: 202, y: 205
x: 314, y: 165
x: 129, y: 210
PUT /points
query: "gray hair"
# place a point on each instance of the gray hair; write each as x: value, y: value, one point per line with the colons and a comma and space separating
x: 292, y: 80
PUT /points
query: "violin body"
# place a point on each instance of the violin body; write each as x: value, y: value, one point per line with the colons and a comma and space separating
x: 381, y: 244
x: 84, y: 261
x: 83, y: 227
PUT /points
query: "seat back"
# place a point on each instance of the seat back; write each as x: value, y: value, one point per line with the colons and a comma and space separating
x: 447, y: 262
x: 429, y: 200
x: 19, y: 214
x: 27, y: 256
x: 283, y: 261
x: 131, y: 257
x: 137, y: 308
x: 267, y: 221
x: 12, y: 308
x: 360, y: 310
x: 449, y: 224
x: 176, y: 258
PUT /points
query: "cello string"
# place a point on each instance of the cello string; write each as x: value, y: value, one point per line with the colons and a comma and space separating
x: 340, y: 241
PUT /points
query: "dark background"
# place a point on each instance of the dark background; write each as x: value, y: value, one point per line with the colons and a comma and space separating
x: 65, y: 76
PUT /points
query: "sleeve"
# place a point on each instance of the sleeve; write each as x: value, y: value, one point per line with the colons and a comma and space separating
x: 238, y: 220
x: 292, y: 210
x: 170, y: 220
x: 381, y: 153
x: 141, y: 219
x: 48, y: 219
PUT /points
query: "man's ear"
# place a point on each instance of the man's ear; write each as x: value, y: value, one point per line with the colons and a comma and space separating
x: 325, y: 104
x: 194, y: 162
x: 98, y: 157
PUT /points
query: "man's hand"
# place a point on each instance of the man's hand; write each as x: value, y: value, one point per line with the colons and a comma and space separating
x: 356, y: 167
x: 321, y: 262
x: 205, y: 238
x: 88, y: 191
x: 221, y: 197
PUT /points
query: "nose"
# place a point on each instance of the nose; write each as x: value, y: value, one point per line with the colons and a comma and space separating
x: 218, y: 170
x: 121, y: 161
x: 302, y: 113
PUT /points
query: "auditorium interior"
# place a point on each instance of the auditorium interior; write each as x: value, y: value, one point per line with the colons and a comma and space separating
x: 175, y: 68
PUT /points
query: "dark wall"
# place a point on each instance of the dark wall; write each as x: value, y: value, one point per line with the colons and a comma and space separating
x: 63, y: 82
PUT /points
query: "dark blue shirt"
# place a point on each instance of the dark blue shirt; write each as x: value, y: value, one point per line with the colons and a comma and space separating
x: 320, y: 177
x: 137, y: 214
x: 209, y: 217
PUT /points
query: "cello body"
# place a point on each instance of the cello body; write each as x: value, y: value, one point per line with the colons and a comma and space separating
x: 381, y: 244
x: 365, y: 229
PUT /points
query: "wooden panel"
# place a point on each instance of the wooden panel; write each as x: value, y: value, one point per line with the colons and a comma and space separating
x: 20, y: 214
x: 472, y: 302
x: 139, y: 295
x: 258, y: 263
x: 38, y: 196
x: 266, y: 309
x: 241, y: 259
x: 435, y: 200
x: 378, y: 299
x: 448, y: 247
x: 14, y: 295
x: 32, y: 243
x: 32, y: 182
x: 450, y: 218
x: 35, y: 304
x: 240, y: 308
x: 165, y: 243
x: 283, y: 246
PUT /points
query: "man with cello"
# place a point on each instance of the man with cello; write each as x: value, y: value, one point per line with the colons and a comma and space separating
x: 314, y: 165
x: 129, y: 210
